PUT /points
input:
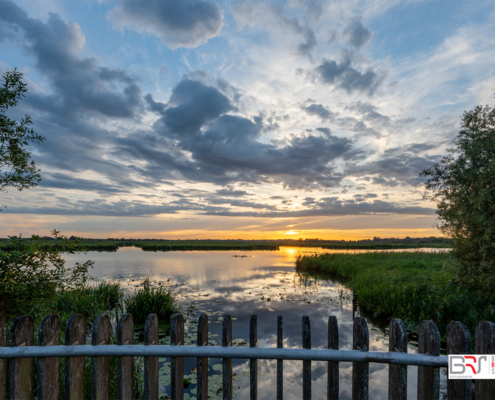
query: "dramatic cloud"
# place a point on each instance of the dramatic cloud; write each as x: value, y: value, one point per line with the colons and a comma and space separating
x: 356, y: 34
x: 344, y: 76
x: 177, y: 23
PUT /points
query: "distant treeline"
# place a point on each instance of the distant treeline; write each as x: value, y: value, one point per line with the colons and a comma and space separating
x: 185, y: 247
x: 385, y: 246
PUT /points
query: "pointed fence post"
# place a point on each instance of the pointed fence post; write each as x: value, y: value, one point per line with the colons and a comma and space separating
x: 177, y: 367
x: 458, y: 342
x: 484, y: 343
x: 75, y: 335
x: 253, y: 362
x: 100, y: 366
x: 125, y: 365
x: 280, y: 363
x: 333, y: 366
x: 21, y: 369
x: 151, y: 363
x: 227, y: 362
x: 428, y: 377
x: 4, y: 364
x: 360, y: 370
x: 202, y: 367
x: 306, y: 344
x: 49, y: 368
x: 397, y: 374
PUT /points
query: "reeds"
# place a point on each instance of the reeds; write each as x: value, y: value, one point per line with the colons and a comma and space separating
x: 159, y: 299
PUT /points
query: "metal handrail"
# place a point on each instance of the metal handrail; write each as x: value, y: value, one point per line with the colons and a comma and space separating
x: 225, y: 352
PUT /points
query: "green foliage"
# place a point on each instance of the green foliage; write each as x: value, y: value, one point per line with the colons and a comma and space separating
x: 160, y: 300
x: 33, y: 273
x: 412, y: 286
x: 16, y: 169
x: 463, y: 187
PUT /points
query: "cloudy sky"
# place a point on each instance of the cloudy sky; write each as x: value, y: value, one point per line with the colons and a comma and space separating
x: 241, y: 119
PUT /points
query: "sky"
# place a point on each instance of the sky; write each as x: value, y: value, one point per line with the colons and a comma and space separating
x: 241, y: 119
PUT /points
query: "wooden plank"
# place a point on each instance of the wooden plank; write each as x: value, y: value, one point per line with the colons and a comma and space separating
x: 397, y: 374
x: 177, y: 367
x: 125, y: 365
x: 21, y: 369
x: 253, y: 362
x: 75, y: 335
x: 484, y: 343
x: 49, y: 368
x: 360, y: 370
x: 333, y: 366
x: 4, y: 364
x: 202, y: 368
x: 280, y: 363
x: 306, y: 344
x: 227, y: 362
x: 458, y: 342
x: 100, y: 366
x: 151, y: 363
x: 428, y: 377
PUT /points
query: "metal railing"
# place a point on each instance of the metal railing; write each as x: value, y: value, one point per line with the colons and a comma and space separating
x: 17, y: 360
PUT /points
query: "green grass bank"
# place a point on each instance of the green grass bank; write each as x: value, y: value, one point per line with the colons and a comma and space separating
x: 413, y: 286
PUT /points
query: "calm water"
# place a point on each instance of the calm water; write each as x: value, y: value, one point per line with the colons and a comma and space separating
x: 263, y: 283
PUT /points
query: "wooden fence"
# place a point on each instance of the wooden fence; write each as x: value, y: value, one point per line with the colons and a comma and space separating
x: 17, y: 360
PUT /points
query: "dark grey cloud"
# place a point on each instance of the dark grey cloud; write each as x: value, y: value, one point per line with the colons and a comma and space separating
x: 332, y: 206
x: 356, y: 34
x: 231, y: 193
x: 319, y: 110
x: 397, y: 166
x: 177, y: 23
x: 344, y: 76
x: 65, y: 181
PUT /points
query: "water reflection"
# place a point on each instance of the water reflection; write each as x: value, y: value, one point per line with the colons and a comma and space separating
x: 263, y: 283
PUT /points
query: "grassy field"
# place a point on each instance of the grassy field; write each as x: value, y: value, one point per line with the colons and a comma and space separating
x: 411, y: 286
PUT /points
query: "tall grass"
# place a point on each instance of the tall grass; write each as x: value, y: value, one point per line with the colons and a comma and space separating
x: 412, y: 286
x: 160, y: 300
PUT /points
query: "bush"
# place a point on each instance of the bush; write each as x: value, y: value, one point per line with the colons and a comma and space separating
x: 33, y: 272
x: 160, y: 300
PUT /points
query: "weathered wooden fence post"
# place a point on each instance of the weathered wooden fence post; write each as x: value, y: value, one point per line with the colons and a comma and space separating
x: 397, y: 374
x: 333, y: 366
x: 202, y: 368
x: 75, y: 335
x: 177, y: 364
x: 458, y: 342
x: 306, y: 344
x: 151, y: 363
x: 125, y: 365
x: 428, y: 377
x: 227, y: 362
x: 4, y: 365
x: 360, y: 370
x: 253, y: 362
x: 280, y: 363
x: 484, y: 343
x: 21, y: 369
x: 100, y: 366
x: 49, y: 368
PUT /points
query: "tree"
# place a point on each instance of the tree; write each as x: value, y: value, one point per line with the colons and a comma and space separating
x: 16, y: 169
x: 463, y: 186
x: 32, y: 272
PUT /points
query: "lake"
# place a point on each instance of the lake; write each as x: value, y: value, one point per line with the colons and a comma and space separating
x: 264, y: 283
